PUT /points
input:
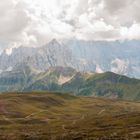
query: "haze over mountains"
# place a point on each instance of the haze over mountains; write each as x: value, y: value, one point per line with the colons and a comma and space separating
x: 76, y: 67
x: 97, y: 56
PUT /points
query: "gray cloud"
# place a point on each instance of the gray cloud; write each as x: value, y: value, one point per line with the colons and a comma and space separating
x: 35, y: 22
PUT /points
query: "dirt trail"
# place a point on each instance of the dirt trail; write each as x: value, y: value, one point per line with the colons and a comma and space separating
x: 101, y: 112
x: 41, y: 111
x: 7, y: 119
x: 33, y: 114
x: 74, y: 121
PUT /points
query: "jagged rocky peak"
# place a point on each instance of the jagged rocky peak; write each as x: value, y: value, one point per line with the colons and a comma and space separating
x: 54, y: 42
x: 122, y: 58
x: 22, y: 67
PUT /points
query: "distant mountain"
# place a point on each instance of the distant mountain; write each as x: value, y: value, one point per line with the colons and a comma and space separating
x: 102, y: 56
x: 97, y: 56
x: 68, y: 80
x: 50, y: 55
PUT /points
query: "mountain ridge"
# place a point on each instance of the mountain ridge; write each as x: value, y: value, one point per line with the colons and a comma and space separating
x: 70, y: 81
x: 98, y: 56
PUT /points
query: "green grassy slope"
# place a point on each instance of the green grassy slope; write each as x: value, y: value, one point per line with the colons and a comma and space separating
x: 108, y: 84
x: 46, y: 116
x: 67, y: 80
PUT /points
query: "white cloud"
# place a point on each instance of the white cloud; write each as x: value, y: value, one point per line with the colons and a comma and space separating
x: 119, y: 66
x: 35, y: 22
x: 133, y: 32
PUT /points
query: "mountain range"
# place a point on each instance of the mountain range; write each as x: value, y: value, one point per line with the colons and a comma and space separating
x: 96, y: 56
x: 71, y: 90
x: 24, y: 78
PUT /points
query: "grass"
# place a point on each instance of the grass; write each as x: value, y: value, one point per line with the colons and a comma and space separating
x: 56, y: 116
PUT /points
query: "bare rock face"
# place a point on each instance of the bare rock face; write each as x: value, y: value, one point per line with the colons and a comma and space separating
x: 98, y: 56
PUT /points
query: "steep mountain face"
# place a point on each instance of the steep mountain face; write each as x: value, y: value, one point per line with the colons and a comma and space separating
x: 119, y: 57
x: 18, y: 55
x: 68, y: 80
x: 98, y: 56
x: 52, y: 54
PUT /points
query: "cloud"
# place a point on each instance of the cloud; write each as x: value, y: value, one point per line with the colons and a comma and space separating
x: 35, y: 22
x: 13, y: 22
x: 133, y: 32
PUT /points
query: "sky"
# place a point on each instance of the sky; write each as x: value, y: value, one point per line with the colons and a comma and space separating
x: 36, y: 22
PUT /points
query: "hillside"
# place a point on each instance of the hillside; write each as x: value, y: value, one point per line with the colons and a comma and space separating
x: 108, y: 85
x: 45, y: 116
x: 68, y: 80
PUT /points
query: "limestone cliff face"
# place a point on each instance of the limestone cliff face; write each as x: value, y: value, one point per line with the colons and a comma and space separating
x: 100, y: 56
